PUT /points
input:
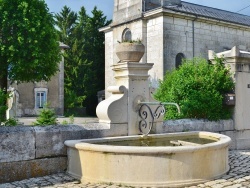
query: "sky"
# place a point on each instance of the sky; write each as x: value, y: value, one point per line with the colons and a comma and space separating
x: 106, y: 6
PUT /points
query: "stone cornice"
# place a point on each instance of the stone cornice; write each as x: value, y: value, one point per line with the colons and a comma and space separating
x: 167, y: 12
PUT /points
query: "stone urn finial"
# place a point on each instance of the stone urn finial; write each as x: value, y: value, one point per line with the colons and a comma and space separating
x: 130, y: 51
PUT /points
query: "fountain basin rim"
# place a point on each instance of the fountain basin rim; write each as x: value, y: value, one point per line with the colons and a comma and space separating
x: 92, y: 144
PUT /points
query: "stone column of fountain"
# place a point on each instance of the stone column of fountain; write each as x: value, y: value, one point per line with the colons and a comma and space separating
x: 132, y: 86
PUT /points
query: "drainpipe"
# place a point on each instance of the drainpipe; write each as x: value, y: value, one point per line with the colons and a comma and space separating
x: 144, y: 6
x: 193, y: 33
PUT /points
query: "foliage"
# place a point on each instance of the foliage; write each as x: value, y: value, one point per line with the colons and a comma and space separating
x: 198, y: 88
x: 65, y: 21
x: 46, y: 117
x: 138, y: 41
x: 28, y: 41
x: 84, y: 61
x: 71, y: 120
x: 65, y: 122
x: 11, y: 122
x: 94, y: 76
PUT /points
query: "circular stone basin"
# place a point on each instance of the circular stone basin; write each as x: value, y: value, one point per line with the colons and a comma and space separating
x: 164, y: 160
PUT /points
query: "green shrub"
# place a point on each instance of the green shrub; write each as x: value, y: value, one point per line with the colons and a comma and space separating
x: 65, y: 122
x: 198, y: 87
x: 71, y: 120
x: 11, y: 122
x: 46, y: 117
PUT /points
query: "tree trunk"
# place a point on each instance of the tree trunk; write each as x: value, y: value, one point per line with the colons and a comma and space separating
x: 4, y: 82
x: 3, y: 86
x: 4, y: 78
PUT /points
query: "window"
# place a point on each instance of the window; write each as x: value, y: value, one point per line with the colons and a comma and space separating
x: 126, y: 35
x: 178, y: 59
x: 40, y: 97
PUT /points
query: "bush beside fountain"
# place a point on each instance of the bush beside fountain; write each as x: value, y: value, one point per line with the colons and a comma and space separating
x: 199, y: 88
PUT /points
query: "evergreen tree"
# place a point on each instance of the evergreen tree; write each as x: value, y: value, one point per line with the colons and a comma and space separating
x: 66, y: 21
x: 94, y: 78
x: 84, y: 62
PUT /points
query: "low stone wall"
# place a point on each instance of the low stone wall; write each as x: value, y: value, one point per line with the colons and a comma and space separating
x: 27, y: 151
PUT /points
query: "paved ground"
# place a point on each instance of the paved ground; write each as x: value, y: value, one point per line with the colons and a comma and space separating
x: 238, y: 176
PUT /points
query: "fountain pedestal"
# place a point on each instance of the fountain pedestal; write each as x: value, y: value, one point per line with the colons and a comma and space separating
x: 132, y: 86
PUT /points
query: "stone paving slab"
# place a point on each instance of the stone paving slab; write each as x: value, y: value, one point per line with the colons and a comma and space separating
x: 237, y: 177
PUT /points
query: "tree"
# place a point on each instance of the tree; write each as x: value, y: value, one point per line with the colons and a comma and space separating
x: 198, y: 87
x: 66, y: 22
x: 84, y: 62
x: 28, y: 41
x: 94, y: 79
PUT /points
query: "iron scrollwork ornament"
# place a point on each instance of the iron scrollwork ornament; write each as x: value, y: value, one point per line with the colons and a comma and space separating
x: 148, y: 117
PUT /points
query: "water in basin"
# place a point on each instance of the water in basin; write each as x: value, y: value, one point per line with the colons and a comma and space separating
x: 172, y: 141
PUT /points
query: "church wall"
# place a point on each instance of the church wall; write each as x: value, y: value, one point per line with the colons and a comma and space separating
x: 154, y: 52
x: 125, y: 10
x: 165, y: 34
x: 178, y: 38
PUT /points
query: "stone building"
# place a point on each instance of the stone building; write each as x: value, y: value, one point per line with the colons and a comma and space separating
x: 172, y: 30
x: 29, y: 98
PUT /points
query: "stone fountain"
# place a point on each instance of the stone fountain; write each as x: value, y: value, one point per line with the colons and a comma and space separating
x: 163, y: 160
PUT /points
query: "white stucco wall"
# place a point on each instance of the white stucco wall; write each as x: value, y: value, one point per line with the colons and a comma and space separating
x: 109, y: 55
x: 155, y: 49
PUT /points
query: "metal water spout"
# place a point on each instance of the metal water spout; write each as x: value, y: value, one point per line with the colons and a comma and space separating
x: 146, y: 113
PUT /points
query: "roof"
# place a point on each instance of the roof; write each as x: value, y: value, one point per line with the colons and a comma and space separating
x: 210, y: 12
